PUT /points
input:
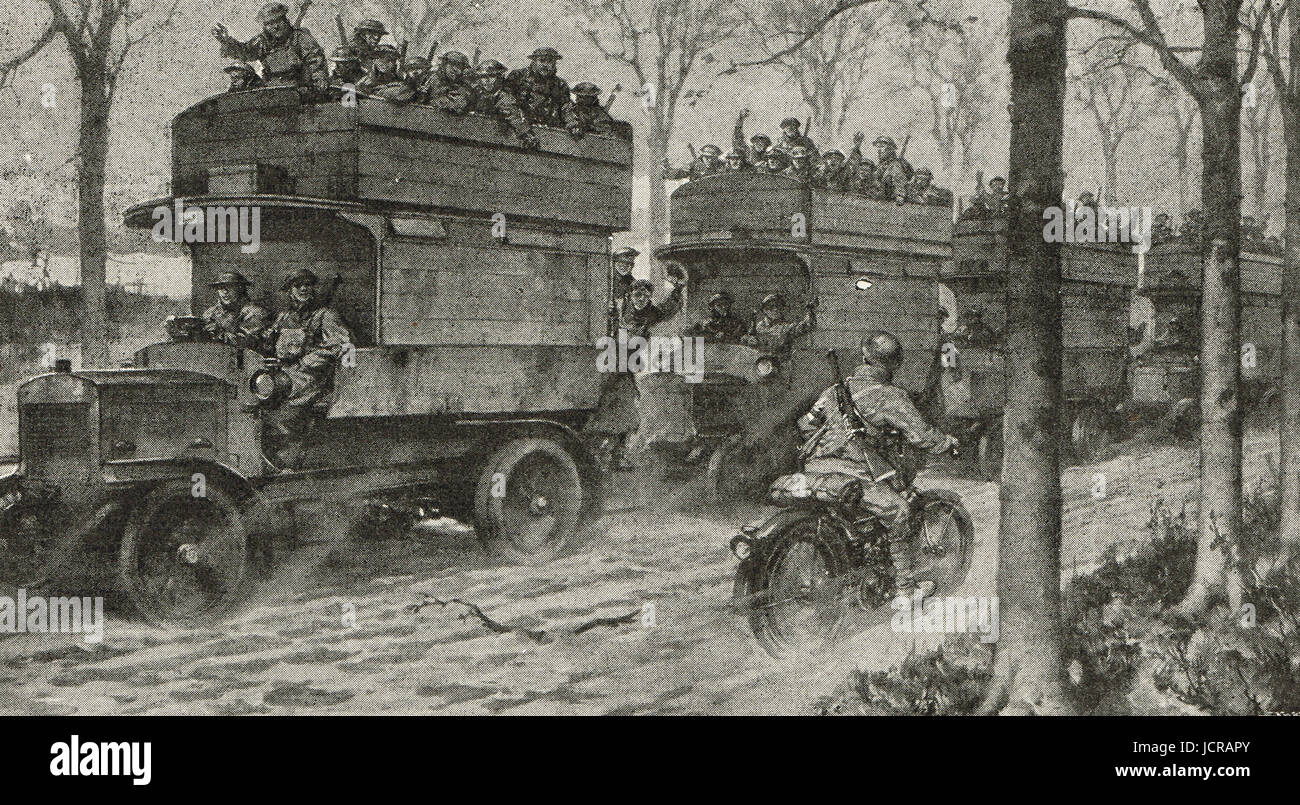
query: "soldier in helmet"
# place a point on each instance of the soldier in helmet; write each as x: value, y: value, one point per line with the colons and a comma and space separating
x: 242, y: 77
x: 345, y: 67
x: 972, y: 329
x: 310, y: 339
x: 234, y: 319
x: 491, y: 98
x: 542, y: 95
x: 755, y: 151
x: 835, y: 172
x: 774, y: 162
x: 791, y: 138
x: 772, y: 332
x: 590, y: 116
x: 383, y: 79
x: 708, y: 163
x: 892, y: 171
x: 449, y: 87
x: 921, y: 190
x: 736, y: 162
x: 836, y: 443
x: 722, y: 325
x: 415, y: 72
x: 289, y: 56
x: 365, y: 40
x: 864, y: 170
x: 1161, y: 231
x: 801, y: 164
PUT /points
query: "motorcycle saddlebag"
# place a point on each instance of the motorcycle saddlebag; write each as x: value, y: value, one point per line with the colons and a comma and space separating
x: 821, y: 487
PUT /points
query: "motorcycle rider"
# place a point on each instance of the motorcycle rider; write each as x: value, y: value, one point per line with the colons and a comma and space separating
x: 835, y: 444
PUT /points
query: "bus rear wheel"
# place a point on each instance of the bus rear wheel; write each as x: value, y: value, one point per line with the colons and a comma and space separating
x: 529, y: 500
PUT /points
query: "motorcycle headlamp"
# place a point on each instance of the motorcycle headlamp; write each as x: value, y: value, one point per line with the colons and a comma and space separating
x: 741, y: 547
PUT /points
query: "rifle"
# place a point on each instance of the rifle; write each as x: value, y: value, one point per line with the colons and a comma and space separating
x: 432, y: 51
x: 302, y: 12
x: 807, y: 122
x: 906, y: 139
x: 612, y: 95
x: 690, y: 147
x: 406, y: 43
x: 328, y: 296
x: 343, y: 31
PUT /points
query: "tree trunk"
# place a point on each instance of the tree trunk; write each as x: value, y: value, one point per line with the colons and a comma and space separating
x: 1289, y: 460
x: 1028, y: 667
x: 1110, y: 156
x: 92, y: 151
x: 657, y: 222
x: 1220, y: 510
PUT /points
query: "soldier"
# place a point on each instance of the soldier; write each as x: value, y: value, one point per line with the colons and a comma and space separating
x: 972, y: 329
x: 835, y: 443
x: 864, y: 170
x: 1161, y: 231
x: 756, y: 150
x: 242, y: 77
x: 290, y: 56
x: 736, y: 162
x: 640, y: 312
x: 624, y: 262
x: 383, y: 80
x: 234, y: 320
x: 492, y: 99
x: 835, y: 173
x: 775, y: 162
x: 892, y: 171
x: 365, y: 40
x: 542, y: 95
x: 448, y: 88
x: 415, y: 72
x: 721, y: 326
x: 345, y: 67
x: 590, y: 116
x: 921, y: 190
x: 801, y: 166
x: 707, y: 163
x: 791, y: 138
x: 770, y: 330
x: 309, y: 339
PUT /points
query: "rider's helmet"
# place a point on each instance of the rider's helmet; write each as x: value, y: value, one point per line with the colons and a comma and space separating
x: 882, y: 349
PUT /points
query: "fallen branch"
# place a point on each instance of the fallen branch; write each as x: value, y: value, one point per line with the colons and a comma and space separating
x: 536, y: 635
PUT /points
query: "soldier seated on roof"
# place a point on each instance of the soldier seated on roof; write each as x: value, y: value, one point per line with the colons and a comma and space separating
x: 541, y: 94
x: 707, y: 163
x: 801, y: 164
x: 736, y: 162
x: 835, y: 172
x: 242, y: 77
x: 450, y: 87
x: 290, y: 56
x: 921, y: 190
x: 384, y: 79
x: 492, y: 99
x: 776, y: 162
x: 792, y: 138
x: 415, y: 72
x: 365, y: 40
x: 755, y: 151
x: 721, y: 326
x: 345, y: 67
x: 588, y: 113
x: 892, y: 171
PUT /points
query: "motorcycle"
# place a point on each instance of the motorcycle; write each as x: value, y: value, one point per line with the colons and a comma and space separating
x: 824, y: 554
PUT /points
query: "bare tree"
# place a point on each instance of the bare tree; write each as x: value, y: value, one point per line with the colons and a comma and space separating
x: 1028, y: 671
x: 828, y: 69
x: 1181, y: 110
x: 953, y: 62
x: 1117, y: 95
x: 663, y: 43
x: 1258, y: 108
x: 1215, y: 80
x: 1282, y: 55
x: 98, y: 35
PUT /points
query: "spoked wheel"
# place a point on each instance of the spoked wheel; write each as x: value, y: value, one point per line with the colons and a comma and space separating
x: 184, y: 559
x: 944, y: 542
x: 1090, y: 433
x: 989, y: 453
x: 796, y: 596
x: 528, y: 504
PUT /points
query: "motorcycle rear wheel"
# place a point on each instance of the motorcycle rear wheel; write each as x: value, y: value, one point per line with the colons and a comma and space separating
x: 796, y: 594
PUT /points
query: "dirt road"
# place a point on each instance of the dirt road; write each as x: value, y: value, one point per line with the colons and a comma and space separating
x: 333, y: 633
